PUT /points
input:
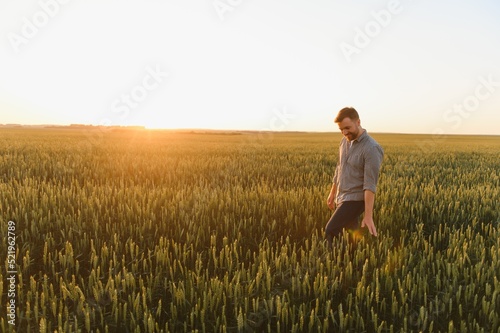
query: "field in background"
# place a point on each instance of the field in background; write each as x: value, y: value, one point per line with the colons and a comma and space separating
x: 151, y: 231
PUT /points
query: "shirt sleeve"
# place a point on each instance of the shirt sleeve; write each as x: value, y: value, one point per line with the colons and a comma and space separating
x: 373, y: 160
x: 336, y: 175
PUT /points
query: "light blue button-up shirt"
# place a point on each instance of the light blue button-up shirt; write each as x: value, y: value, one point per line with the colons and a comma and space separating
x: 358, y: 168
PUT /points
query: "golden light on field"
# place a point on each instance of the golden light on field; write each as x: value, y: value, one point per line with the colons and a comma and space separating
x: 225, y: 233
x: 174, y: 122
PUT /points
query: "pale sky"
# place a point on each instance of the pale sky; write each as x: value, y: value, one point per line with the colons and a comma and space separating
x: 407, y: 66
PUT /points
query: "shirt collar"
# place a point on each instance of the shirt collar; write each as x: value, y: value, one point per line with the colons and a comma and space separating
x: 362, y: 136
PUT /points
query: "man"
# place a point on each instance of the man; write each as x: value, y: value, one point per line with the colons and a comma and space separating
x: 355, y: 179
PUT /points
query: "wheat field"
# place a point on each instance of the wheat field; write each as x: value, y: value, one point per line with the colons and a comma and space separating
x: 158, y: 231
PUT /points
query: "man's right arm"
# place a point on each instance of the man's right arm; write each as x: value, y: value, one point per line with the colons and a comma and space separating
x: 331, y: 197
x: 333, y: 192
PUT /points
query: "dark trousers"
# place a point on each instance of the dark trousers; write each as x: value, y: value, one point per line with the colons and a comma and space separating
x: 346, y: 216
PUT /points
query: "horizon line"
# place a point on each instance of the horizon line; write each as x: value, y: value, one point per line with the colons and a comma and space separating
x: 182, y: 129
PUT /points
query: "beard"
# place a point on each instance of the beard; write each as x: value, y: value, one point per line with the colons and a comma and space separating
x: 352, y: 135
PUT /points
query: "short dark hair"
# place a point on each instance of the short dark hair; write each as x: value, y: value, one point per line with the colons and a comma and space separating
x: 347, y: 112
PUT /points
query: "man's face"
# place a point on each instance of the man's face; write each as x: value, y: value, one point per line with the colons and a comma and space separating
x: 350, y: 128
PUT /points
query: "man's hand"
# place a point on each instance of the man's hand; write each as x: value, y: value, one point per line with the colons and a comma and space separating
x: 368, y: 219
x: 368, y: 222
x: 331, y: 197
x: 331, y: 201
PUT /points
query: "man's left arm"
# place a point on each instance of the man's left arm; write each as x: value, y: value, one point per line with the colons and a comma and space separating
x: 373, y: 160
x: 368, y: 218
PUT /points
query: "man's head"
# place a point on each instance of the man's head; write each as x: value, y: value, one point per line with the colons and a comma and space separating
x: 349, y: 123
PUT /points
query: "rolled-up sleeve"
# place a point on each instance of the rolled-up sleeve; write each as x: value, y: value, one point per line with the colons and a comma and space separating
x: 335, y: 179
x: 336, y: 175
x: 373, y: 161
